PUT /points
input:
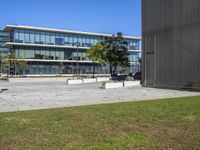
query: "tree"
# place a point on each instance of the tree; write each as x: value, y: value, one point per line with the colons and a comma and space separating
x: 116, y: 52
x: 96, y: 53
x: 14, y: 62
x: 22, y: 63
x: 112, y: 50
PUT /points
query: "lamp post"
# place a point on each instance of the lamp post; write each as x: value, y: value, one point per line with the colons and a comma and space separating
x: 77, y: 63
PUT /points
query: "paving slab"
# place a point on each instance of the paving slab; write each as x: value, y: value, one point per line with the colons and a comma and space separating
x: 31, y: 96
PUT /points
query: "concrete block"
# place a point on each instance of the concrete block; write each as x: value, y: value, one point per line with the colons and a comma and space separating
x: 26, y: 80
x: 91, y: 80
x: 131, y: 83
x: 75, y: 81
x: 103, y: 79
x: 112, y: 85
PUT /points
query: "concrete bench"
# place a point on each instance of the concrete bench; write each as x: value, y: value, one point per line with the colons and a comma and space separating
x: 92, y: 80
x: 103, y: 79
x: 29, y: 80
x: 110, y: 85
x: 75, y: 81
x: 131, y: 83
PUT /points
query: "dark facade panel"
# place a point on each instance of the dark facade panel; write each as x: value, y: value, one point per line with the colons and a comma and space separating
x: 171, y: 34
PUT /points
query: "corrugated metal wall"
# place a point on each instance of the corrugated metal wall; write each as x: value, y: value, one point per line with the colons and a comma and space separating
x: 171, y: 34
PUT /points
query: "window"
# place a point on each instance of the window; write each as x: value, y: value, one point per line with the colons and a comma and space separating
x: 66, y: 40
x: 133, y: 45
x: 88, y: 41
x: 48, y: 39
x: 42, y: 41
x: 84, y: 41
x: 37, y: 54
x: 37, y: 37
x: 62, y: 55
x: 52, y: 54
x: 57, y: 54
x: 32, y: 37
x: 21, y: 53
x: 59, y: 41
x: 26, y: 54
x: 31, y: 53
x: 62, y: 37
x: 71, y: 41
x: 75, y: 39
x: 48, y: 52
x: 17, y: 52
x: 16, y: 36
x: 27, y: 37
x: 21, y: 36
x: 52, y: 38
x: 79, y: 39
x: 95, y: 40
x: 43, y: 53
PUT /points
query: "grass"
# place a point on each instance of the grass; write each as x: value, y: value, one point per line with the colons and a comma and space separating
x: 158, y: 124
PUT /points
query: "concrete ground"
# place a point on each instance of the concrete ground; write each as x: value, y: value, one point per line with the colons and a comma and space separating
x: 30, y: 96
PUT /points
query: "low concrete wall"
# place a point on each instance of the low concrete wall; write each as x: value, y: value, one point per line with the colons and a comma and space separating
x: 92, y: 80
x: 102, y: 79
x: 131, y: 83
x: 75, y: 81
x: 112, y: 85
x: 37, y: 79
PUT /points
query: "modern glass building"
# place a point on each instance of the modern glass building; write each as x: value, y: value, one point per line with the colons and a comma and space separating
x: 55, y: 51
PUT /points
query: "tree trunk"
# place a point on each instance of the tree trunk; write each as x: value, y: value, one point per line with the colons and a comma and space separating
x: 111, y: 73
x: 15, y: 71
x: 105, y: 69
x: 115, y: 67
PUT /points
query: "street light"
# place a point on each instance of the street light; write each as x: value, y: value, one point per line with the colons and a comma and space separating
x: 77, y: 63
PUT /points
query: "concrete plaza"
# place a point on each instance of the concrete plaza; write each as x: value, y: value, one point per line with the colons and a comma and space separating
x: 31, y: 96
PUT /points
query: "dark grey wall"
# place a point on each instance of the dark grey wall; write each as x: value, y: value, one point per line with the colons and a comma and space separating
x: 171, y: 34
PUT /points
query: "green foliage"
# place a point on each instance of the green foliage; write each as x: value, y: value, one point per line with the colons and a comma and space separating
x: 117, y: 52
x: 112, y: 50
x: 97, y: 53
x: 12, y: 61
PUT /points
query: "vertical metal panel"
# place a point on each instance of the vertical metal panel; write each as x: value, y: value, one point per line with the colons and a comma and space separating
x: 173, y: 27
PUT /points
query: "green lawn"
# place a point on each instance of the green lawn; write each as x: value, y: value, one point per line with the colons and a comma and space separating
x: 159, y: 124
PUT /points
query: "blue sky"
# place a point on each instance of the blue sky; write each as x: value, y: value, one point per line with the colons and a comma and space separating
x: 104, y: 16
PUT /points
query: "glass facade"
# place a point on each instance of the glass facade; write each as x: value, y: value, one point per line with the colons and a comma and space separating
x: 50, y: 53
x: 4, y: 37
x: 44, y: 59
x: 134, y: 56
x: 62, y: 39
x: 60, y: 68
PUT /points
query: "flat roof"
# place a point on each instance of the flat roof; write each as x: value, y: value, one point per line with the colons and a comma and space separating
x: 10, y: 27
